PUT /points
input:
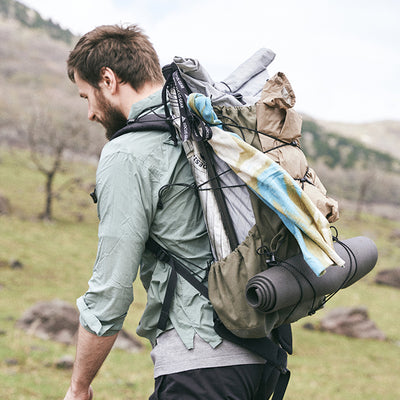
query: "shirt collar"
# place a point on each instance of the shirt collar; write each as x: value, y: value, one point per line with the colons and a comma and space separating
x: 153, y: 100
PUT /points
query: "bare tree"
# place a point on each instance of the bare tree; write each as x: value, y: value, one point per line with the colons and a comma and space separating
x: 49, y: 139
x: 367, y: 180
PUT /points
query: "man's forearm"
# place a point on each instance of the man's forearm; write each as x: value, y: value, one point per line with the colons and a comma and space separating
x: 91, y: 351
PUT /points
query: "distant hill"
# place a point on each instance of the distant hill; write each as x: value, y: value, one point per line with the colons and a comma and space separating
x: 380, y: 135
x: 343, y: 148
x: 11, y: 9
x: 33, y: 76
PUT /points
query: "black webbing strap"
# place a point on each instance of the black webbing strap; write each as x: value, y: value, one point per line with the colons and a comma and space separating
x: 166, y: 304
x: 264, y: 347
x: 283, y: 335
x: 275, y: 356
x: 177, y: 268
x: 281, y: 385
x: 147, y: 122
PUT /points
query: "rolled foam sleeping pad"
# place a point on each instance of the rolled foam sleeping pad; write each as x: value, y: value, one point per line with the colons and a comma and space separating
x: 293, y: 281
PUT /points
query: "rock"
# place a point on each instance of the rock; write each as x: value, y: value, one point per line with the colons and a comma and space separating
x: 5, y: 207
x: 309, y: 326
x: 352, y: 322
x: 58, y: 320
x: 13, y: 264
x: 127, y: 342
x: 66, y: 362
x: 16, y: 264
x: 389, y: 277
x: 395, y: 234
x: 55, y: 320
x: 11, y: 362
x: 39, y: 349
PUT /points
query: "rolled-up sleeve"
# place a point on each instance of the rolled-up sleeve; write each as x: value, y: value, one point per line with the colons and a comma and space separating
x: 125, y: 208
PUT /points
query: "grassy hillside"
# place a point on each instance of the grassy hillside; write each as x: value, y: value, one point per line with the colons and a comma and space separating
x: 33, y: 75
x: 350, y: 169
x: 58, y: 258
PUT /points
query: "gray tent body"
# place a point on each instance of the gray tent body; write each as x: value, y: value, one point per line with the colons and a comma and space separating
x: 248, y: 79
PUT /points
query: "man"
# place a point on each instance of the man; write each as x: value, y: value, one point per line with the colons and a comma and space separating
x: 117, y: 71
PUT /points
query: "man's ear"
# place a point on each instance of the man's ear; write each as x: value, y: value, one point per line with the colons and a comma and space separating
x: 108, y: 79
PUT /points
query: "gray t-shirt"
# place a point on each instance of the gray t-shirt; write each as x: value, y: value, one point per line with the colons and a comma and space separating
x: 170, y: 355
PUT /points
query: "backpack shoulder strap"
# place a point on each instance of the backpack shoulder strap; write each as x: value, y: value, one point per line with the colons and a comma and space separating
x: 176, y: 268
x: 147, y: 122
x: 164, y: 255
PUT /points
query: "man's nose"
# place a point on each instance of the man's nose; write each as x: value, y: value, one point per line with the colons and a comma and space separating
x: 91, y: 115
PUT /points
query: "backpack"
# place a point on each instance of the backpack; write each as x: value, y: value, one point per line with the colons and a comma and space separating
x: 260, y: 281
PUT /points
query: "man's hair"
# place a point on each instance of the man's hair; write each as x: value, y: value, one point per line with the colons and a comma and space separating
x: 126, y: 50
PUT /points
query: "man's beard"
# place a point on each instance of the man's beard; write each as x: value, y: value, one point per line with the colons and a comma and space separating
x: 112, y: 118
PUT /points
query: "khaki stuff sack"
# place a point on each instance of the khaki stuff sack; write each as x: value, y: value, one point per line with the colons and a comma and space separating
x: 272, y: 126
x: 278, y: 123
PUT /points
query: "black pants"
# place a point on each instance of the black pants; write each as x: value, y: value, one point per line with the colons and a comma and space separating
x: 238, y: 382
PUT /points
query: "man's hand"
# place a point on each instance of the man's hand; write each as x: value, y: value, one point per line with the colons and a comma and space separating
x: 86, y: 395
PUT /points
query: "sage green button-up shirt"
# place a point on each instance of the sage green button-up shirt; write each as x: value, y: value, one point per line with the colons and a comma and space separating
x: 132, y: 170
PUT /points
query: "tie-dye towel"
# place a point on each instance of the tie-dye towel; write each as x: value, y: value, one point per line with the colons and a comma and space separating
x: 275, y: 187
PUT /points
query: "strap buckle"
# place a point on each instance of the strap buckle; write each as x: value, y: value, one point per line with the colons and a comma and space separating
x: 271, y: 260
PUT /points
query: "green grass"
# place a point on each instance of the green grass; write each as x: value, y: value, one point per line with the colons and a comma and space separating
x: 58, y: 258
x: 332, y: 367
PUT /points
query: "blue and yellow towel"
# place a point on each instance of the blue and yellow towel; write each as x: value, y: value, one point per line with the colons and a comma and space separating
x: 275, y: 187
